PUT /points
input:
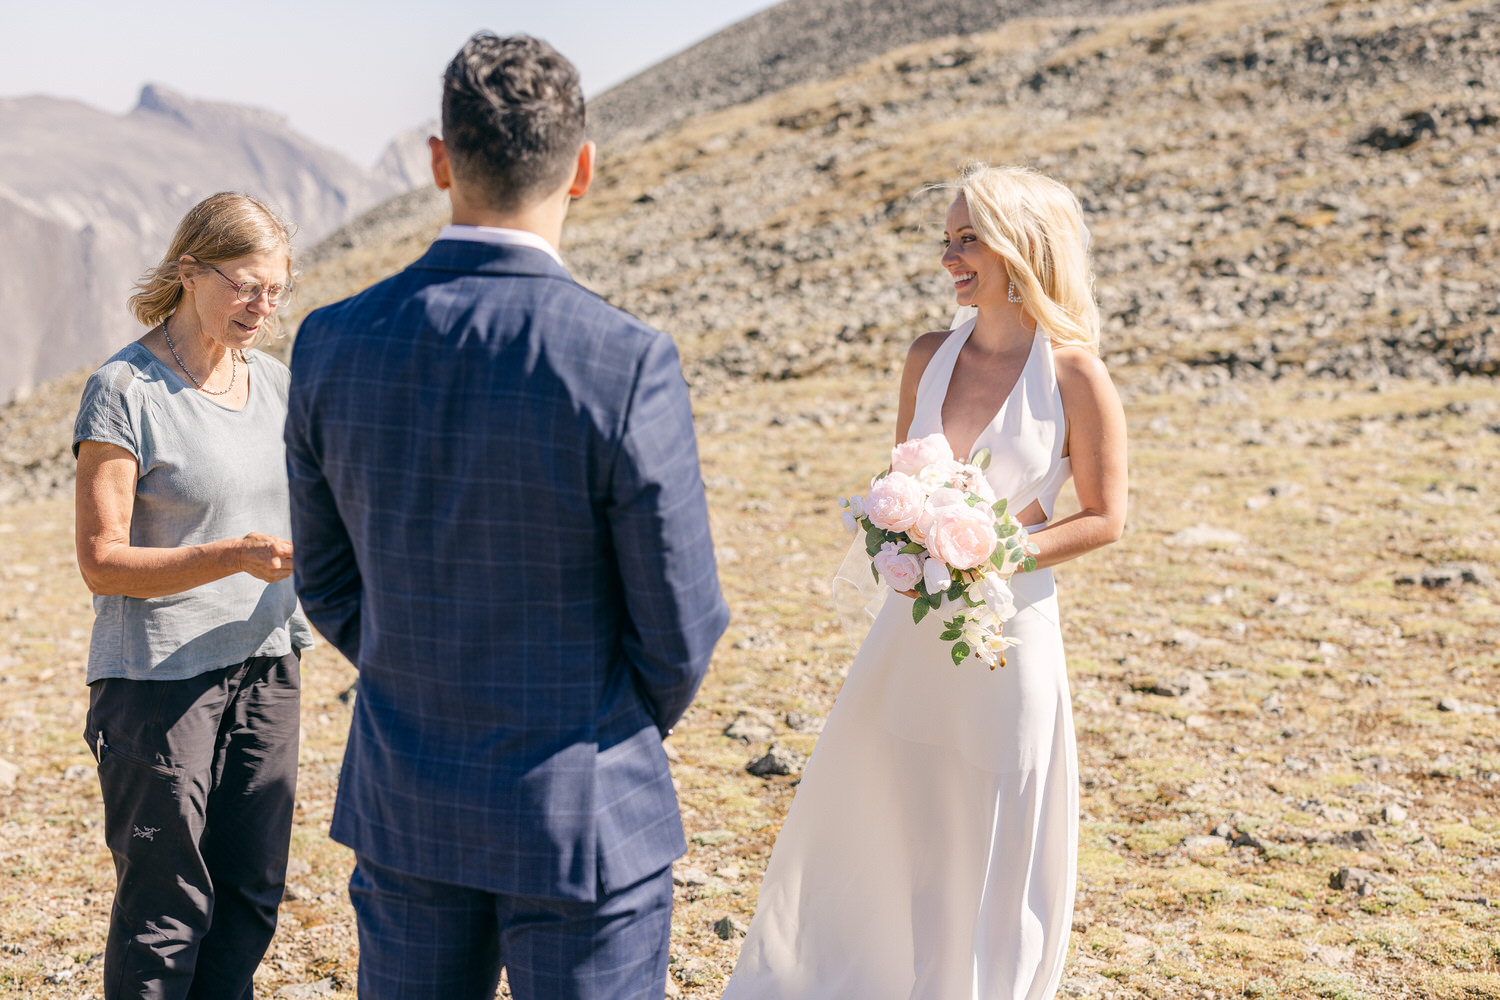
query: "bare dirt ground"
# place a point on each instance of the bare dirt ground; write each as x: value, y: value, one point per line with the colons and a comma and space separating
x: 1271, y: 679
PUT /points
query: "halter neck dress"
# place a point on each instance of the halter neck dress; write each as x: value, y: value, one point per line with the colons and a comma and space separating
x: 930, y: 853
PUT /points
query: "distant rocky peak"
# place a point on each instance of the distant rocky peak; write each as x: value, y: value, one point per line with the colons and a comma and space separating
x: 159, y: 100
x: 164, y: 101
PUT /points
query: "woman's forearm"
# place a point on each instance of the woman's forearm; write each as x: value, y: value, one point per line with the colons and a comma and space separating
x: 1074, y: 535
x: 137, y: 571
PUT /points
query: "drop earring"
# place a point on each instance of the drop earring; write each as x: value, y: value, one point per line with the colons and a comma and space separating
x: 1012, y: 294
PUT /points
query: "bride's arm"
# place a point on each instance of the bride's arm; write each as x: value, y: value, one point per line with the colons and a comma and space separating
x: 1096, y: 448
x: 917, y: 358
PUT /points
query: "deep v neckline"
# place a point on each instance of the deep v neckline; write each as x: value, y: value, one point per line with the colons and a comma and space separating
x: 1010, y: 393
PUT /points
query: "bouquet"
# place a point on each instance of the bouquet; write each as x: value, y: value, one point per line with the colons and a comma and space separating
x: 932, y: 524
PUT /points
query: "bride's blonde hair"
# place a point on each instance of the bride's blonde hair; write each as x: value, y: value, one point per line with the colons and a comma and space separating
x: 1036, y: 226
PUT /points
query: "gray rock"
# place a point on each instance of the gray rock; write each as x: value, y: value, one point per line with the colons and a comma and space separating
x: 1394, y: 814
x: 1244, y: 839
x: 1449, y: 575
x: 1184, y: 685
x: 9, y: 774
x: 1464, y: 707
x: 1363, y: 839
x: 1360, y: 880
x: 727, y: 927
x: 804, y: 722
x: 779, y: 760
x: 77, y: 772
x: 1205, y: 537
x: 687, y: 875
x: 1329, y: 955
x: 695, y: 971
x: 751, y: 727
x: 307, y: 991
x: 1204, y: 843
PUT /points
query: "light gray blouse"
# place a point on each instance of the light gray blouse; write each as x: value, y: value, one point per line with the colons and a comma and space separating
x: 204, y: 473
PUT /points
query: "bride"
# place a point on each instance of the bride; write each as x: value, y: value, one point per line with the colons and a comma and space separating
x: 930, y: 853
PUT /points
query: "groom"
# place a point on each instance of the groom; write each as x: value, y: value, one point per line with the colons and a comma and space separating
x: 500, y: 520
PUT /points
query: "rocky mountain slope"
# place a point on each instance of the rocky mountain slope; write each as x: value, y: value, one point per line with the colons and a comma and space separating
x: 1273, y: 187
x: 800, y: 41
x: 88, y: 198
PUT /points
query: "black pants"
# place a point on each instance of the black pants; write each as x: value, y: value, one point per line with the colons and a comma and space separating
x: 199, y: 779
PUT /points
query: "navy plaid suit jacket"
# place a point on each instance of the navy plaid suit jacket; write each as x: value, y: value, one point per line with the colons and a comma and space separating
x: 499, y: 519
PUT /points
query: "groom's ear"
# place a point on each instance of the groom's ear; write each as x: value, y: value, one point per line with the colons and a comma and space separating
x: 583, y: 173
x: 442, y: 168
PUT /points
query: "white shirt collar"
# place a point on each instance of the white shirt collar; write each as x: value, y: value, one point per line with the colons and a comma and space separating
x: 502, y: 237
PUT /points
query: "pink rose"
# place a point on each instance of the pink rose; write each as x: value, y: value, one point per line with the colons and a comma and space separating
x: 900, y: 571
x: 943, y: 496
x: 911, y: 457
x: 894, y: 502
x: 962, y: 536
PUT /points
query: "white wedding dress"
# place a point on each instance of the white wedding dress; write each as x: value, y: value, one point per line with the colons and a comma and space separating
x: 931, y: 850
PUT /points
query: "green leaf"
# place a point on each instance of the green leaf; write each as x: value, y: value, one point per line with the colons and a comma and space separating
x: 950, y: 635
x: 919, y: 609
x: 875, y: 572
x: 960, y: 652
x: 1000, y: 507
x: 912, y: 549
x: 981, y: 458
x: 957, y: 587
x: 997, y: 558
x: 874, y: 539
x: 970, y: 601
x: 1033, y: 548
x: 1006, y: 530
x: 1028, y: 564
x: 935, y: 600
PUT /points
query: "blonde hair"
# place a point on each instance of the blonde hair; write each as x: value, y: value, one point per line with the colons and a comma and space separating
x: 220, y: 228
x: 1036, y: 226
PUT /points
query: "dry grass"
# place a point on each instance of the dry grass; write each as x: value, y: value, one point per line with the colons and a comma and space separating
x: 1306, y: 614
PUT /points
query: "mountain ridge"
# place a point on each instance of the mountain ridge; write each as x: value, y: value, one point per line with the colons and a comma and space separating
x: 90, y: 198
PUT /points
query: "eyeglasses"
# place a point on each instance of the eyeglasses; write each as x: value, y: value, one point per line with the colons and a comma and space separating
x: 249, y: 291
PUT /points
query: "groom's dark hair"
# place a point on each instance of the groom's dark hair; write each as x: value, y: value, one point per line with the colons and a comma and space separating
x: 513, y: 118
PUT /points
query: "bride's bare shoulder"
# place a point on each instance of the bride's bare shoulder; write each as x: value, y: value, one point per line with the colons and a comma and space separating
x: 924, y: 347
x: 921, y: 352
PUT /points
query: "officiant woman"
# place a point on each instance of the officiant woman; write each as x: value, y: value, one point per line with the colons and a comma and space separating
x: 182, y: 533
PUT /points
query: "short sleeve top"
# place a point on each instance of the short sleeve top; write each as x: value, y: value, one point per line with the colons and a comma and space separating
x: 204, y: 473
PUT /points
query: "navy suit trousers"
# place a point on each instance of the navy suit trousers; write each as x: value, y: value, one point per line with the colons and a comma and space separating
x: 425, y: 940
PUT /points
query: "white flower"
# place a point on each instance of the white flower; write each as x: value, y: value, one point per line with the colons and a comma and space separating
x: 981, y: 486
x: 857, y: 506
x: 936, y: 575
x: 850, y: 524
x: 995, y: 593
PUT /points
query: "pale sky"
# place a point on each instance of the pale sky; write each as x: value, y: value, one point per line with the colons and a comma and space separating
x: 347, y: 75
